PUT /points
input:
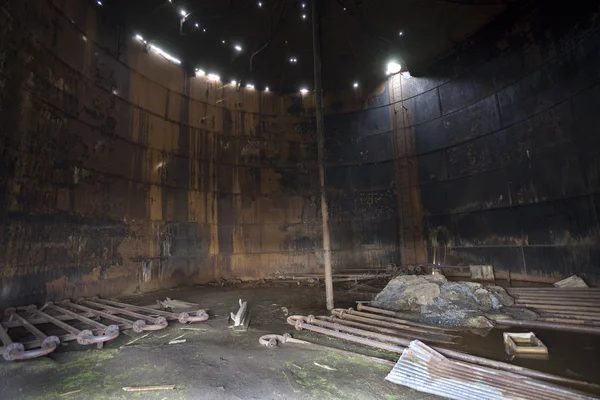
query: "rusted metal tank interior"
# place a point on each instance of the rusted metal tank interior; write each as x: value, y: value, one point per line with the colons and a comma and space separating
x: 160, y: 144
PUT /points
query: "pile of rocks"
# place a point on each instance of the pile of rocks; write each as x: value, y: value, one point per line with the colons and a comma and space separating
x: 442, y: 302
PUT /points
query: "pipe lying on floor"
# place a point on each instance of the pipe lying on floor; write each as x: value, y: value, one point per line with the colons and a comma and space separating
x: 394, y: 315
x: 183, y: 317
x: 16, y: 351
x: 432, y: 338
x: 140, y: 325
x: 300, y: 322
x: 385, y: 322
x: 84, y: 337
x: 553, y: 326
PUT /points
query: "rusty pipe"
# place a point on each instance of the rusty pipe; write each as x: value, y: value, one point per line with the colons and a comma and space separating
x: 125, y: 322
x: 356, y: 331
x: 588, y: 309
x: 11, y: 311
x: 394, y: 315
x: 183, y: 317
x: 273, y: 340
x: 141, y: 324
x: 50, y: 305
x: 83, y: 337
x: 433, y: 338
x: 553, y: 326
x: 407, y: 325
x: 299, y: 323
x: 16, y: 351
x: 358, y: 316
x: 198, y: 316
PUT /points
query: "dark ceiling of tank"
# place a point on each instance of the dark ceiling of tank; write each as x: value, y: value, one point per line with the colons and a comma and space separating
x: 275, y: 36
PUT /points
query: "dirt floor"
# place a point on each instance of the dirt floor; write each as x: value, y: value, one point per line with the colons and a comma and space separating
x: 216, y: 363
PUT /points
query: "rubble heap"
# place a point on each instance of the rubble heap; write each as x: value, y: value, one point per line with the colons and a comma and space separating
x: 442, y: 302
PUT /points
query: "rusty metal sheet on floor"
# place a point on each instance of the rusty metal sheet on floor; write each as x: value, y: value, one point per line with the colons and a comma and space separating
x: 424, y: 369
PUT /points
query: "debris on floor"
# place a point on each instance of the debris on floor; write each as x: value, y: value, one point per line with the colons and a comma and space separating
x: 563, y: 309
x: 397, y: 344
x: 177, y: 305
x: 435, y: 300
x: 81, y: 321
x: 524, y: 345
x: 422, y: 368
x: 571, y: 282
x: 241, y: 319
x: 484, y: 273
x: 148, y: 388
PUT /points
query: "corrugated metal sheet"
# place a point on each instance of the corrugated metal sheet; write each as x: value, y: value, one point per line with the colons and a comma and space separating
x: 424, y: 369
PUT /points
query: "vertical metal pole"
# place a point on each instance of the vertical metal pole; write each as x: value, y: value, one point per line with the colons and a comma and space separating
x: 316, y: 18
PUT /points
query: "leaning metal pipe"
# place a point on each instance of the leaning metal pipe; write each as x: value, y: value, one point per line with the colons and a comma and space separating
x: 559, y: 302
x: 394, y: 315
x: 357, y: 316
x: 299, y: 322
x: 414, y: 326
x: 84, y: 337
x: 553, y: 326
x: 362, y: 332
x: 435, y: 338
x: 184, y: 317
x: 139, y: 325
x: 589, y: 309
x: 16, y: 351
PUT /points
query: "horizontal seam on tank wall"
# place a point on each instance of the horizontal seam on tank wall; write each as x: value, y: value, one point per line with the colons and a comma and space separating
x: 530, y: 72
x: 561, y: 102
x: 521, y: 245
x: 299, y: 170
x: 162, y: 151
x: 107, y: 53
x: 539, y: 156
x: 167, y: 223
x: 518, y: 205
x: 527, y: 73
x: 305, y: 195
x: 302, y: 252
x: 203, y: 131
x: 200, y: 130
x: 17, y: 146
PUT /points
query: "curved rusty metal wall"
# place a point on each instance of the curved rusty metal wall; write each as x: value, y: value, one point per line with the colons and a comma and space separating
x: 121, y: 172
x: 506, y: 137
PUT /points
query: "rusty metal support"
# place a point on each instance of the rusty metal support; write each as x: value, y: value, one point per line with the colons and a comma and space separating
x: 140, y: 325
x: 300, y: 322
x: 184, y: 317
x: 16, y: 351
x: 125, y: 323
x: 84, y: 337
x: 317, y: 6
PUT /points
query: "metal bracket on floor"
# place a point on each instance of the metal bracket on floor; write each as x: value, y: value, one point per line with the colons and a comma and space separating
x: 274, y: 340
x: 81, y: 322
